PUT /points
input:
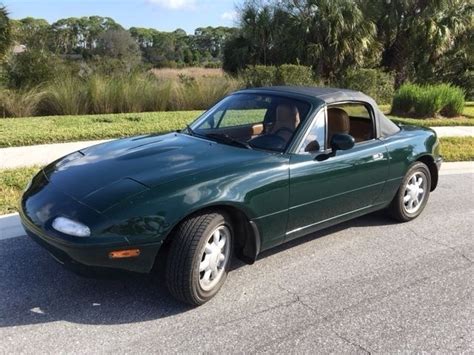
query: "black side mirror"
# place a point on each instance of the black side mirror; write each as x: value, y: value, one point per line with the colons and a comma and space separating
x: 342, y: 142
x: 312, y: 146
x: 338, y: 142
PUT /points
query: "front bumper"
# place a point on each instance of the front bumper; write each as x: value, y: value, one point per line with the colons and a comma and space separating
x: 42, y: 202
x: 92, y: 259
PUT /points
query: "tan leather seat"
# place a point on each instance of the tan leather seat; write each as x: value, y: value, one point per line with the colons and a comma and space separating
x: 286, y: 121
x: 338, y: 122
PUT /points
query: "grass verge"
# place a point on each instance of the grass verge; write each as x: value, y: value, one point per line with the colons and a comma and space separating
x: 13, y: 181
x: 16, y: 132
x: 457, y: 148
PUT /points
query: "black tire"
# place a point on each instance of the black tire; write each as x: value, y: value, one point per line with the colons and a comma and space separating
x: 186, y: 254
x: 397, y: 208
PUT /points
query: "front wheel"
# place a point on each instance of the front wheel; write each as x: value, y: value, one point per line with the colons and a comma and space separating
x: 199, y: 257
x: 412, y: 195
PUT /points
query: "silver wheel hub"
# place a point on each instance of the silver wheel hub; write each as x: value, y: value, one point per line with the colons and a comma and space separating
x: 214, y: 258
x: 414, y: 192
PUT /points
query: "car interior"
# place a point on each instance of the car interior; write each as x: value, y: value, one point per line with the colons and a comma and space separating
x: 352, y: 119
x: 270, y: 126
x: 270, y: 123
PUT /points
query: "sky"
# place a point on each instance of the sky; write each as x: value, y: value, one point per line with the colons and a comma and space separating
x: 164, y: 15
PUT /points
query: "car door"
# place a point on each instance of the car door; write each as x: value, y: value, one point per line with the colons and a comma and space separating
x: 322, y: 192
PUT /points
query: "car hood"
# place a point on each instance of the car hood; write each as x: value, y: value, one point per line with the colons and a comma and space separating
x: 105, y: 174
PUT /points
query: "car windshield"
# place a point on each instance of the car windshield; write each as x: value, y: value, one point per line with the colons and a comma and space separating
x: 252, y: 121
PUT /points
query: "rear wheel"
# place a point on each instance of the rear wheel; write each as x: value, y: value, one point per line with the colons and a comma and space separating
x: 412, y: 195
x: 199, y: 257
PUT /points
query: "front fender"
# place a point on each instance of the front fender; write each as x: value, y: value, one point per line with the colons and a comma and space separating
x: 259, y: 192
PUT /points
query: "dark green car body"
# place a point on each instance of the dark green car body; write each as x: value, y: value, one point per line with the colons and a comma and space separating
x: 133, y: 192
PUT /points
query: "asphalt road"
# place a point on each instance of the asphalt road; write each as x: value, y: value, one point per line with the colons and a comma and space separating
x: 368, y: 285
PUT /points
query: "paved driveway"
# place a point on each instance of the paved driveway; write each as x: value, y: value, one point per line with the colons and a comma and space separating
x: 365, y: 286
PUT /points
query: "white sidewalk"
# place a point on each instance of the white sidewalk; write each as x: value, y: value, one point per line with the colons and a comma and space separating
x: 454, y: 131
x: 10, y: 226
x: 16, y: 157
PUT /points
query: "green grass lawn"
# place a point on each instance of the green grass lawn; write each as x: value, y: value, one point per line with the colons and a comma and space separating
x: 13, y: 181
x: 54, y: 129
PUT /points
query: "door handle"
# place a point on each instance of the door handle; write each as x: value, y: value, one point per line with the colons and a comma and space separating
x: 377, y: 156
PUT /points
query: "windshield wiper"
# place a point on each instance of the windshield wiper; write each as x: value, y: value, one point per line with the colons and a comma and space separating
x: 190, y: 130
x: 228, y: 139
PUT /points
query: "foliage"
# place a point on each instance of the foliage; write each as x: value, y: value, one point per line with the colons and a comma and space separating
x: 32, y: 33
x: 5, y: 32
x: 31, y: 68
x: 127, y: 93
x: 260, y: 75
x: 119, y: 47
x: 20, y: 103
x: 416, y: 40
x: 286, y: 74
x: 428, y: 101
x: 290, y: 74
x: 200, y: 93
x: 373, y: 82
x: 416, y: 35
x: 133, y: 92
x: 65, y: 96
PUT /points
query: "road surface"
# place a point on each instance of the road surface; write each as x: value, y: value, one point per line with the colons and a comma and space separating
x: 368, y: 285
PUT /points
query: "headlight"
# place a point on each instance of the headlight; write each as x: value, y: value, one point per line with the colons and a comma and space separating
x: 68, y: 226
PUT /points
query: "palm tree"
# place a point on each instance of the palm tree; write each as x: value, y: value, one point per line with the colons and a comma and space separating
x: 5, y: 32
x: 415, y: 34
x: 336, y: 34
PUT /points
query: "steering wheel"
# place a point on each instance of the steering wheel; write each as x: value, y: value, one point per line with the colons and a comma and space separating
x: 284, y: 129
x: 269, y: 141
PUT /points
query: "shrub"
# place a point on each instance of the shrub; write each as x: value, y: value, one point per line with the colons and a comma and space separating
x: 31, y: 68
x: 201, y: 93
x: 290, y: 74
x: 65, y: 96
x: 260, y: 75
x: 20, y: 103
x: 373, y: 82
x: 413, y: 100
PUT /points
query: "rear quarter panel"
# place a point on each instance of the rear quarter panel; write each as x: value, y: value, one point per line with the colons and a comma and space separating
x: 405, y: 148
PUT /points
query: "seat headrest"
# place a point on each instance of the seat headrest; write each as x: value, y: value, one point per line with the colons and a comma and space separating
x: 338, y: 121
x: 287, y: 116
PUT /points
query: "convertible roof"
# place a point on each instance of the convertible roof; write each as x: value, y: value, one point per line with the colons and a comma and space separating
x: 327, y: 95
x: 385, y: 127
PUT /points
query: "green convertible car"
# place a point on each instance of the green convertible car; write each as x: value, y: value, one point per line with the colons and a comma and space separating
x: 261, y: 167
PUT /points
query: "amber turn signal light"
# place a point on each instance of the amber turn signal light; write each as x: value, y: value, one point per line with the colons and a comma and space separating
x: 121, y: 254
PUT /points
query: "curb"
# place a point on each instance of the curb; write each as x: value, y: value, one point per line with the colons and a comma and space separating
x: 10, y: 226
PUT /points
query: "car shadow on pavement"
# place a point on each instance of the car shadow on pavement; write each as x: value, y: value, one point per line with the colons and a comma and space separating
x: 35, y: 289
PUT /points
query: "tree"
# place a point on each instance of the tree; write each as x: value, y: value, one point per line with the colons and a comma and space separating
x: 415, y: 34
x: 31, y: 32
x: 336, y: 34
x: 5, y: 32
x: 120, y: 47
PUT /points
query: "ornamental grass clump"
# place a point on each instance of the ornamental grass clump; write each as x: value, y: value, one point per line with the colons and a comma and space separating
x: 426, y: 101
